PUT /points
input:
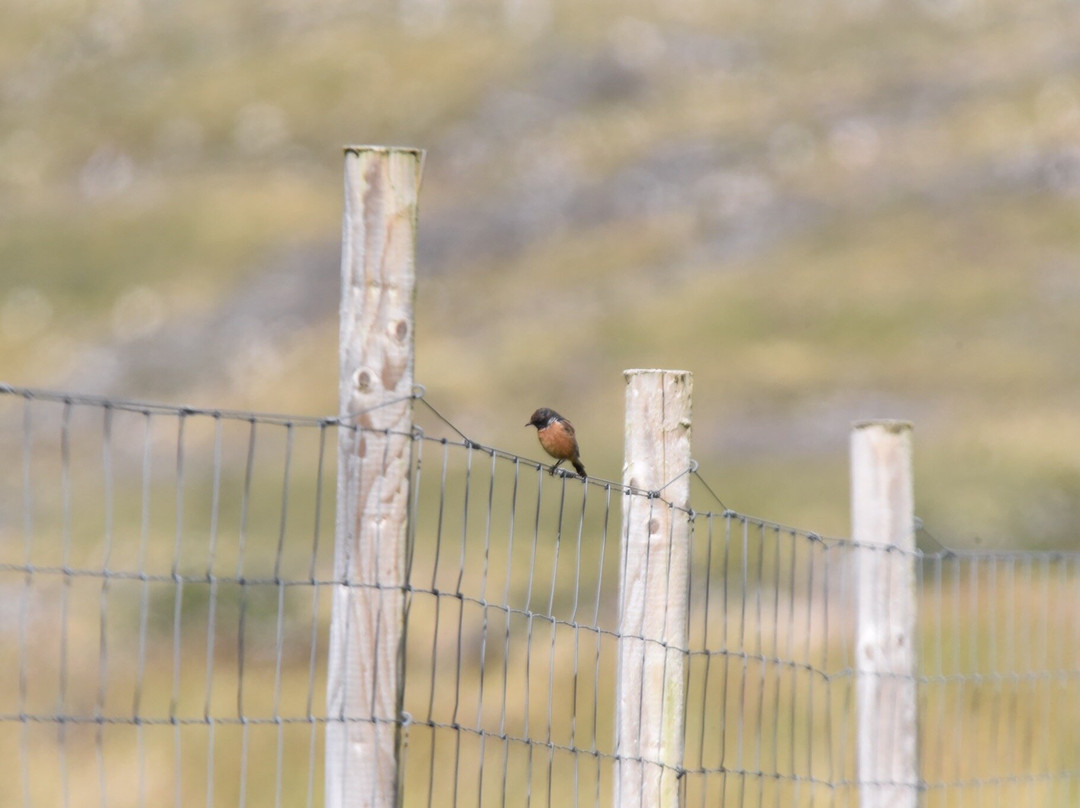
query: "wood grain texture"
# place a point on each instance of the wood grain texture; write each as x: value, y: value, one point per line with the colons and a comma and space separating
x: 653, y: 590
x: 364, y: 677
x: 883, y: 528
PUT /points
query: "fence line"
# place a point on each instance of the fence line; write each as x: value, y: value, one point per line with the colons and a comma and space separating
x: 166, y: 576
x: 484, y: 632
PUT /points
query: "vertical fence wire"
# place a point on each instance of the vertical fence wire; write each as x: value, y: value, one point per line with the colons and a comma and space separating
x: 1000, y: 701
x: 161, y: 567
x: 769, y: 673
x: 162, y: 574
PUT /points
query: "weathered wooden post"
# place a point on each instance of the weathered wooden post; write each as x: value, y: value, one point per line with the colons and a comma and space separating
x: 883, y: 528
x: 653, y: 590
x: 364, y: 677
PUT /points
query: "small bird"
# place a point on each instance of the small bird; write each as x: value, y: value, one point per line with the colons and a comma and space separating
x: 556, y: 435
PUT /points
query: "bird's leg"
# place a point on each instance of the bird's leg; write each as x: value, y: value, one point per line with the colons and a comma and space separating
x: 556, y: 466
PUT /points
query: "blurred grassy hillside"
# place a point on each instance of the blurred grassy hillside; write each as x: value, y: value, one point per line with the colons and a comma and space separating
x: 840, y: 210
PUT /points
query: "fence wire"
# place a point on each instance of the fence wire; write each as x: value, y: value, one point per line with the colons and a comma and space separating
x: 1000, y: 678
x: 165, y: 581
x: 162, y: 577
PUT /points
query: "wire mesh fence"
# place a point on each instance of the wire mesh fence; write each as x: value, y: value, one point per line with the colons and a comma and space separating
x: 1000, y: 678
x: 162, y: 592
x: 166, y: 577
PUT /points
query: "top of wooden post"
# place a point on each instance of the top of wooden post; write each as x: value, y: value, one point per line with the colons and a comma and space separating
x: 893, y: 425
x: 639, y: 371
x: 360, y: 148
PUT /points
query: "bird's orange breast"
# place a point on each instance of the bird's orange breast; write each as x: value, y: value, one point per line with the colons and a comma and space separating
x: 558, y: 441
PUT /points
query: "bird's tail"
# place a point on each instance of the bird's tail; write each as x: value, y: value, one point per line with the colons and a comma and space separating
x: 579, y: 467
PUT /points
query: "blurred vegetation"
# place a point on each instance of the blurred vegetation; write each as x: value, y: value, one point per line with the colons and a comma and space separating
x: 827, y: 211
x: 850, y: 210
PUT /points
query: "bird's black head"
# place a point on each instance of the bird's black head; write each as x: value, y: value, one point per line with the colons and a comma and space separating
x: 542, y: 417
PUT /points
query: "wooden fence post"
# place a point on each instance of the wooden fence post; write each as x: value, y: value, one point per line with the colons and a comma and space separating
x: 653, y: 590
x: 883, y: 528
x: 364, y: 676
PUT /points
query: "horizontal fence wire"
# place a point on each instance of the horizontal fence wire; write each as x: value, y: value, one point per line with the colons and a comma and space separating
x: 510, y: 633
x: 999, y: 683
x: 162, y: 578
x: 770, y: 698
x: 166, y: 576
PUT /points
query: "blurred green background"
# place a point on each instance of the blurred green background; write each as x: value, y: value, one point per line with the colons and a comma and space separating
x: 828, y: 211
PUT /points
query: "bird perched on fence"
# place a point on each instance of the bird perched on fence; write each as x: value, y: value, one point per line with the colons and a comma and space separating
x: 556, y: 435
